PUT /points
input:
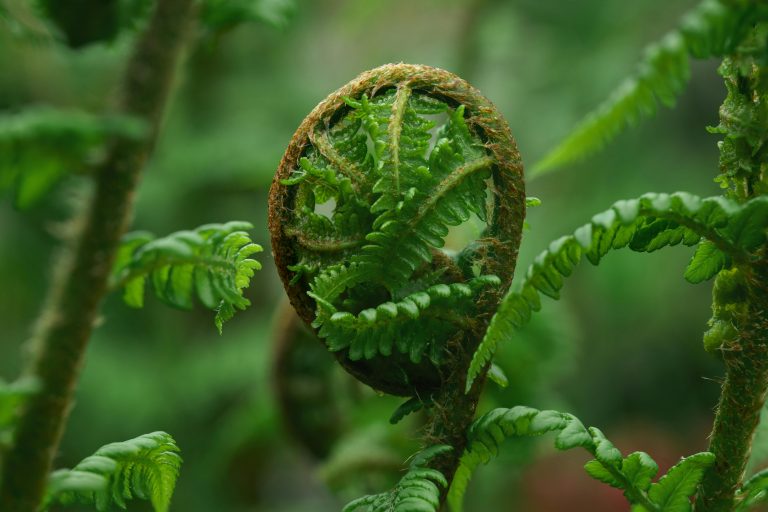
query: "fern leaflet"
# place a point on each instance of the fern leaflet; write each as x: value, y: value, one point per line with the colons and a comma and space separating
x: 712, y: 29
x: 420, y: 322
x: 145, y: 467
x: 41, y: 145
x: 12, y: 397
x: 210, y: 262
x: 633, y: 474
x: 731, y: 231
x: 753, y: 492
x: 417, y: 490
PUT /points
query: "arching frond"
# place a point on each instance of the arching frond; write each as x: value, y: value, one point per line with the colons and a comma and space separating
x: 417, y: 491
x: 712, y: 29
x: 418, y: 324
x: 633, y: 474
x: 731, y: 230
x: 145, y: 467
x: 211, y: 263
x: 41, y: 145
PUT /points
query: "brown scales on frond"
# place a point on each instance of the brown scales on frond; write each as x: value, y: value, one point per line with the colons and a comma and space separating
x: 396, y: 374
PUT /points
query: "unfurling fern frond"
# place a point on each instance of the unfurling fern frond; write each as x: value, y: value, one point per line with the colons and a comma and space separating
x: 632, y: 474
x: 210, y: 262
x: 40, y: 145
x: 361, y: 206
x: 713, y: 29
x: 145, y: 467
x: 417, y: 491
x: 731, y: 231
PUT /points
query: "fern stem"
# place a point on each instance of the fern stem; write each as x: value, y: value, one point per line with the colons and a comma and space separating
x: 454, y: 410
x: 305, y: 239
x: 342, y: 164
x: 68, y: 317
x: 396, y: 130
x: 738, y: 413
x: 129, y: 275
x: 744, y: 390
x: 710, y: 234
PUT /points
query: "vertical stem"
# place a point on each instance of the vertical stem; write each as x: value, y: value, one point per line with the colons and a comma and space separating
x: 740, y: 298
x: 738, y: 413
x: 67, y: 320
x: 454, y: 410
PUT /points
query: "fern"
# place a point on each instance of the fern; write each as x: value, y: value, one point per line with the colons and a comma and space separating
x: 731, y: 231
x: 713, y: 29
x: 753, y: 492
x: 396, y: 183
x: 41, y: 145
x: 422, y: 320
x: 12, y: 397
x: 417, y: 491
x: 632, y: 474
x: 211, y: 262
x: 145, y: 467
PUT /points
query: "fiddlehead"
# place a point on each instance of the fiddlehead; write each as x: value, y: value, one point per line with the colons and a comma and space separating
x: 370, y: 275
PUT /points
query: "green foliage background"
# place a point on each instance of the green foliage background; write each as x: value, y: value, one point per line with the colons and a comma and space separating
x: 621, y: 350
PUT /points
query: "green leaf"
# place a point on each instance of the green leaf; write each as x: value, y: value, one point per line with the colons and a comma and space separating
x: 673, y: 491
x: 212, y: 263
x: 418, y: 490
x: 640, y: 469
x: 411, y: 405
x: 145, y: 467
x: 747, y: 228
x: 645, y: 224
x: 753, y: 491
x: 605, y: 452
x: 633, y: 474
x: 496, y: 374
x: 39, y: 146
x: 706, y: 262
x: 599, y: 472
x: 713, y: 28
x: 12, y: 398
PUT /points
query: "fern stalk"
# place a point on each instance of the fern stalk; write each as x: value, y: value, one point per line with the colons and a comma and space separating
x: 742, y: 120
x: 68, y: 317
x: 453, y: 410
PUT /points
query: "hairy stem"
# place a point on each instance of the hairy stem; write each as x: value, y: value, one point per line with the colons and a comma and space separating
x: 453, y: 410
x: 396, y: 130
x: 70, y: 312
x: 741, y: 400
x: 746, y: 357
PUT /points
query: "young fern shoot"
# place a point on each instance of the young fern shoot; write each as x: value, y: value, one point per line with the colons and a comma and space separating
x: 359, y: 211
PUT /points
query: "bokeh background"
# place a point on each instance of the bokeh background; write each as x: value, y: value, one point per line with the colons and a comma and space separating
x: 266, y: 422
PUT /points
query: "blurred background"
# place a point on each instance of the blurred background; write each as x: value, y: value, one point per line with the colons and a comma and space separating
x: 265, y: 420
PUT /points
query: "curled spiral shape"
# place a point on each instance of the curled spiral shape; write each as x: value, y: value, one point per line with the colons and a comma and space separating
x: 360, y: 208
